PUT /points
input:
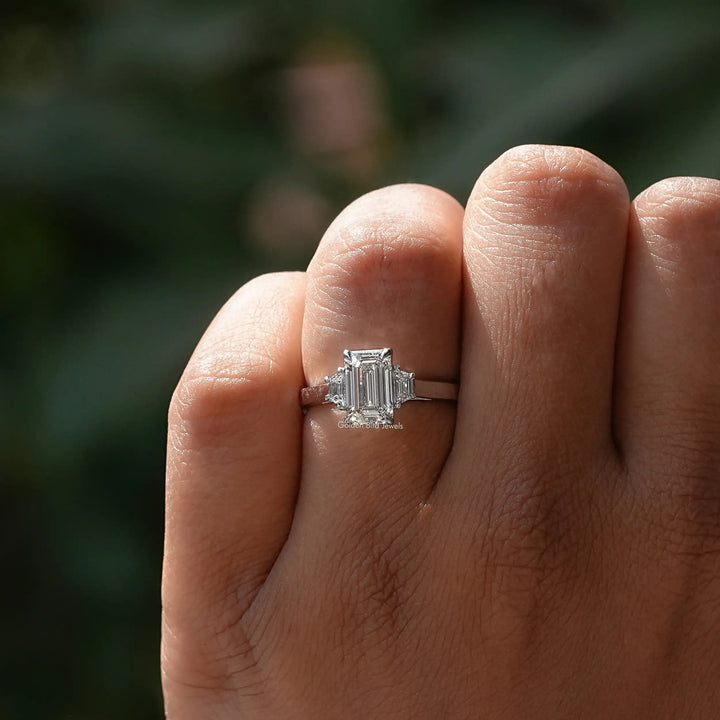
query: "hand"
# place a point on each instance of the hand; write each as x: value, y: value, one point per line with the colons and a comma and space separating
x: 548, y: 547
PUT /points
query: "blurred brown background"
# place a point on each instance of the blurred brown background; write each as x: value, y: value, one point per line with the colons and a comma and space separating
x: 155, y: 155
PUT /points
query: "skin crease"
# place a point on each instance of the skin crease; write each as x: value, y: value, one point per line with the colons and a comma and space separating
x: 547, y: 547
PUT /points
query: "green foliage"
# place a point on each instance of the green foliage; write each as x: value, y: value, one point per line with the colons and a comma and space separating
x: 139, y: 144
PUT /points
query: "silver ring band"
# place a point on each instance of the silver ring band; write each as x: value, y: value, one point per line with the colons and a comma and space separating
x: 425, y: 389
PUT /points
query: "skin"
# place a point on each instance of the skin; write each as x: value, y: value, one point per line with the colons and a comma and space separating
x: 548, y: 547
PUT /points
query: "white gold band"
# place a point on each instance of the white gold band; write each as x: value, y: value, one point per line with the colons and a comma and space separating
x: 425, y: 389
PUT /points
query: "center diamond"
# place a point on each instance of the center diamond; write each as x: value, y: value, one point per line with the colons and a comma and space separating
x: 369, y: 387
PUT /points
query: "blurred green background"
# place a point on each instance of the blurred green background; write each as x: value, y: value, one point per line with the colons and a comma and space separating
x: 155, y: 155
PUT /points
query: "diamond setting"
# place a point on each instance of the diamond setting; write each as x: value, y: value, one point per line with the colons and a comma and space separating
x: 369, y: 387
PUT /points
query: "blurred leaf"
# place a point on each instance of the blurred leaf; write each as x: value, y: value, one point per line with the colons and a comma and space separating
x: 72, y: 142
x: 177, y: 44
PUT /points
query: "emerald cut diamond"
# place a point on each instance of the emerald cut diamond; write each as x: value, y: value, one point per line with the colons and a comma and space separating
x: 369, y: 387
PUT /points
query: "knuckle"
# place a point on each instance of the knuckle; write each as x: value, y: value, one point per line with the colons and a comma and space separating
x: 402, y: 252
x: 681, y: 208
x: 539, y: 180
x: 206, y: 656
x: 239, y: 361
x: 538, y: 538
x: 222, y: 397
x: 376, y: 572
x: 408, y: 201
x: 212, y: 389
x: 683, y: 519
x: 404, y: 233
x: 530, y: 529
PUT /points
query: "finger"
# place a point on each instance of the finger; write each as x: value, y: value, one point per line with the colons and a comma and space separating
x: 386, y: 274
x: 234, y: 448
x: 667, y: 405
x: 668, y: 389
x: 545, y: 233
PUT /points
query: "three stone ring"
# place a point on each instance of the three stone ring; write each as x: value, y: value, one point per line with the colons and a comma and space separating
x: 369, y: 388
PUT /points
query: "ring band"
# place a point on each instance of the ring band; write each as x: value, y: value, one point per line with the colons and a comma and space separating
x: 370, y: 388
x: 426, y: 389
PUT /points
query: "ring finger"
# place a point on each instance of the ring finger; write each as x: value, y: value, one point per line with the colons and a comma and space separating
x: 386, y: 274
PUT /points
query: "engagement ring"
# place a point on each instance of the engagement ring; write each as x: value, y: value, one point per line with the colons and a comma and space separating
x: 370, y: 388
